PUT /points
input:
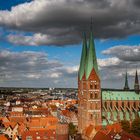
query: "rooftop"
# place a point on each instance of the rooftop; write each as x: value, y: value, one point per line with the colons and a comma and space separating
x: 119, y: 95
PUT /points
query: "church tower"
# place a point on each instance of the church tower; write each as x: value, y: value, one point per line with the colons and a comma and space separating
x: 89, y: 89
x: 126, y: 86
x: 136, y: 85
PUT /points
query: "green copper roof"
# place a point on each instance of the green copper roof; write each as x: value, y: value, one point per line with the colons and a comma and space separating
x: 127, y: 115
x: 119, y: 95
x: 83, y: 58
x: 126, y: 87
x: 91, y: 61
x: 121, y: 115
x: 136, y: 79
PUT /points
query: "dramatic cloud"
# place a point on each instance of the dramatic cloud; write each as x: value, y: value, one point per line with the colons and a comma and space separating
x: 61, y: 22
x: 113, y: 69
x: 42, y: 39
x: 126, y: 53
x: 33, y: 69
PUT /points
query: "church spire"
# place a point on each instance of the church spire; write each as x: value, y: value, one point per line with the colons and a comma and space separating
x: 136, y: 85
x: 83, y: 57
x: 91, y: 61
x: 126, y: 87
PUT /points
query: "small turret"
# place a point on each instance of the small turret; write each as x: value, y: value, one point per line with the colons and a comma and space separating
x: 136, y: 85
x: 126, y: 86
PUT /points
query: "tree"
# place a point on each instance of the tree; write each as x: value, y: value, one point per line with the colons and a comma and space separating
x: 125, y: 125
x: 135, y: 129
x: 72, y: 129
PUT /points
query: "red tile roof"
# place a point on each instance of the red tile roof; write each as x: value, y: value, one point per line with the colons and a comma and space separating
x: 89, y: 130
x: 3, y: 137
x: 101, y: 136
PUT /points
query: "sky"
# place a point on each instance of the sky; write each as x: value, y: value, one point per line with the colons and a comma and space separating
x: 41, y: 41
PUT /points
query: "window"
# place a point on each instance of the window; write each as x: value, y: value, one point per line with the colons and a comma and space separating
x: 91, y: 116
x: 96, y: 95
x: 96, y: 105
x: 91, y: 96
x: 117, y: 105
x: 111, y: 105
x: 95, y: 86
x: 134, y: 104
x: 123, y: 104
x: 28, y: 137
x: 91, y: 86
x: 105, y: 104
x: 128, y: 104
x: 90, y: 105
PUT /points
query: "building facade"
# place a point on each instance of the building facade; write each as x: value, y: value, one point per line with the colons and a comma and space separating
x: 99, y: 107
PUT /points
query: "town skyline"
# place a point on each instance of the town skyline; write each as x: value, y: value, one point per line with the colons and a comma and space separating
x: 43, y: 49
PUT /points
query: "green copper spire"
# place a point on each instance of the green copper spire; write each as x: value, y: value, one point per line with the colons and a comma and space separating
x: 126, y: 87
x: 91, y: 61
x: 136, y: 85
x: 83, y: 57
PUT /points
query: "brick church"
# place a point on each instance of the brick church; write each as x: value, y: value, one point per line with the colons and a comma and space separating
x: 100, y: 107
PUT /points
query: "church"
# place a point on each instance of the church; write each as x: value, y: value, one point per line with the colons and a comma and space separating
x: 97, y: 106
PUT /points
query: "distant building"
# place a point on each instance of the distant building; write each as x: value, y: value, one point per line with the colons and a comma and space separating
x: 100, y: 107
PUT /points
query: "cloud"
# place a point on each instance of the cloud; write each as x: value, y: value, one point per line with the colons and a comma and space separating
x: 126, y: 53
x: 67, y: 19
x: 33, y: 69
x: 41, y: 39
x: 114, y: 61
x: 27, y: 64
x: 136, y: 3
x: 113, y: 74
x: 113, y: 68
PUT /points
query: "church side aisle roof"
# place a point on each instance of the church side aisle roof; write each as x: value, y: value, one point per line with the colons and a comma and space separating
x: 119, y: 95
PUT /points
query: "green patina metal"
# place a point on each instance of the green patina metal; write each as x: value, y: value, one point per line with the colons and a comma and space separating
x: 91, y: 61
x: 83, y: 57
x: 115, y: 115
x: 104, y: 122
x: 133, y: 115
x: 136, y: 78
x: 119, y: 95
x: 127, y: 116
x: 88, y: 58
x: 126, y: 86
x: 121, y: 116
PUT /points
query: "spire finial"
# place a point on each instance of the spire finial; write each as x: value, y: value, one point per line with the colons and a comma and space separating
x: 126, y: 68
x: 91, y: 23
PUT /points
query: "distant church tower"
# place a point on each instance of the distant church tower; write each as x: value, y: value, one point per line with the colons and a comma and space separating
x: 126, y: 86
x: 136, y: 85
x: 89, y: 88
